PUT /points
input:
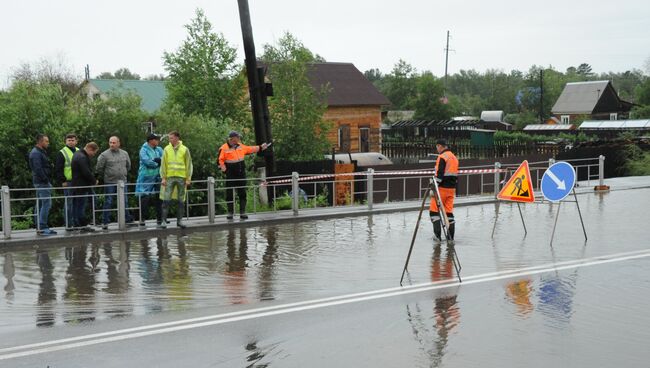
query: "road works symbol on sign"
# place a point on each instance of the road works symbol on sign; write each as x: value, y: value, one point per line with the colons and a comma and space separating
x: 558, y: 181
x: 519, y: 188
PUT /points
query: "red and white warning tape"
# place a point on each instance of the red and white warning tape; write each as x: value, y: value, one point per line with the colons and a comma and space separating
x: 382, y: 173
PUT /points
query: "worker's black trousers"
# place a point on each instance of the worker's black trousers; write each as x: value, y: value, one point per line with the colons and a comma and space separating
x: 238, y: 186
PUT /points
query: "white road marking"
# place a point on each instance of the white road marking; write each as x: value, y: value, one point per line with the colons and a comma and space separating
x: 169, y: 327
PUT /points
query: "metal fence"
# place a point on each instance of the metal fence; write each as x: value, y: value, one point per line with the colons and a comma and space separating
x: 205, y: 199
x: 395, y: 150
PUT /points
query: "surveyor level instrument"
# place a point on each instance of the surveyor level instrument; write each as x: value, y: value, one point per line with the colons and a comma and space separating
x: 433, y: 190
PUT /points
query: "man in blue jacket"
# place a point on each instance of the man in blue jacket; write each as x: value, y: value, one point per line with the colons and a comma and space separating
x: 41, y: 168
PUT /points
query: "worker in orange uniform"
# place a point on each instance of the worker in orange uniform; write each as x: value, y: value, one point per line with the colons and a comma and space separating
x: 447, y: 177
x: 231, y: 161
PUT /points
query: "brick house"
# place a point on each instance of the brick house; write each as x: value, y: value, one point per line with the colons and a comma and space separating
x: 595, y: 100
x: 353, y: 104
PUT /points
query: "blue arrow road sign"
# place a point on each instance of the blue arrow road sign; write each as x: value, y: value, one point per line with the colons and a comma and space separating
x: 558, y: 181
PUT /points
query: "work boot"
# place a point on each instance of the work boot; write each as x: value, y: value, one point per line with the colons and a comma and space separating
x: 163, y: 215
x: 230, y: 216
x: 243, y: 216
x: 452, y: 225
x: 179, y: 215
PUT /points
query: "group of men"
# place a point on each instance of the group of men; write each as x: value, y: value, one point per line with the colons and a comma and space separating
x: 171, y: 168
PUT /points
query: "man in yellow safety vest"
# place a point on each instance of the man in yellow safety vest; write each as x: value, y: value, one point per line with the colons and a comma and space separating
x: 63, y: 173
x: 176, y: 175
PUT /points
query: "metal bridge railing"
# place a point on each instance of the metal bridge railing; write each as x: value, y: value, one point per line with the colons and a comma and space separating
x: 207, y: 198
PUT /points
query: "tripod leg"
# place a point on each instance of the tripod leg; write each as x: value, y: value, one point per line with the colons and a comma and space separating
x: 415, y: 233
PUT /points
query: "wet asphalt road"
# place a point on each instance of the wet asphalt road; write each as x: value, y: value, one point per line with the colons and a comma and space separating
x: 287, y: 295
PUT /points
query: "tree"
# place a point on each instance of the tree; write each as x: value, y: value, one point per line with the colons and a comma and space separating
x: 155, y: 77
x: 428, y: 102
x: 401, y: 86
x: 373, y: 75
x: 204, y: 77
x: 584, y: 70
x: 121, y: 73
x: 296, y: 109
x: 642, y: 94
x: 46, y: 71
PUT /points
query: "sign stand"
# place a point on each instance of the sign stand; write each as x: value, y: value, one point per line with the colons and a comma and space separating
x: 584, y: 231
x: 519, y: 188
x: 557, y: 183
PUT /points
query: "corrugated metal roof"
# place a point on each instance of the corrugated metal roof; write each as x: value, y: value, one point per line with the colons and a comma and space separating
x: 549, y: 127
x: 435, y: 123
x: 615, y: 124
x: 579, y: 97
x: 153, y: 93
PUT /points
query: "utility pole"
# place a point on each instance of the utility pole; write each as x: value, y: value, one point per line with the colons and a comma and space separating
x: 446, y: 62
x: 541, y: 96
x: 256, y: 87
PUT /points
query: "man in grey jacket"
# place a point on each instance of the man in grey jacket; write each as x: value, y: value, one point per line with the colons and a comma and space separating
x: 113, y: 165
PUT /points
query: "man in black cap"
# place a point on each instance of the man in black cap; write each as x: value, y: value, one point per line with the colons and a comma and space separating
x: 447, y: 177
x: 231, y: 161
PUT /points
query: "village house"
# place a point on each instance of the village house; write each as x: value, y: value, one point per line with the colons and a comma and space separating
x: 596, y: 100
x: 354, y: 105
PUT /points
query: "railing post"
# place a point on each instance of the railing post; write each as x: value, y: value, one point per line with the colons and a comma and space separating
x: 211, y: 199
x: 6, y: 212
x: 121, y: 208
x: 370, y: 187
x: 497, y: 176
x: 295, y: 189
x: 263, y: 194
x: 601, y: 171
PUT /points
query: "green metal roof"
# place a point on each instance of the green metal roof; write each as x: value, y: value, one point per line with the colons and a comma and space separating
x: 153, y: 93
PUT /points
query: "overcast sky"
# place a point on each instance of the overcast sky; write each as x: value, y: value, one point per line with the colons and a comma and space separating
x: 506, y: 35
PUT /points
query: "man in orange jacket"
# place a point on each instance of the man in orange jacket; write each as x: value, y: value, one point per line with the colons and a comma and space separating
x: 447, y: 177
x: 231, y: 161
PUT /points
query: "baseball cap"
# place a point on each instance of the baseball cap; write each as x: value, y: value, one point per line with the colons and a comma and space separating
x: 152, y: 136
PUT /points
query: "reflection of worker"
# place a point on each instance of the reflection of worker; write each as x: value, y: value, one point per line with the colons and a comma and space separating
x: 447, y: 177
x: 446, y: 311
x: 231, y: 161
x: 235, y: 280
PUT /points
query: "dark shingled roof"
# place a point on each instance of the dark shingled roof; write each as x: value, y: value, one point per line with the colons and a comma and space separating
x: 347, y: 85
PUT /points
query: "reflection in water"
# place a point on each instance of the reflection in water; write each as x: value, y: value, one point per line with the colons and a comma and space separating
x: 80, y: 285
x: 519, y: 293
x: 446, y: 312
x: 45, y: 315
x: 176, y: 272
x: 267, y: 271
x: 9, y: 271
x: 556, y: 297
x: 151, y: 273
x: 117, y: 271
x: 235, y: 275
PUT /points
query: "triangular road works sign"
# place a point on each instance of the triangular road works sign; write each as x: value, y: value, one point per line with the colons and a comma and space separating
x: 519, y: 188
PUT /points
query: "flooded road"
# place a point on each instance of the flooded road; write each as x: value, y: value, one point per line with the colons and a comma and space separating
x: 574, y: 311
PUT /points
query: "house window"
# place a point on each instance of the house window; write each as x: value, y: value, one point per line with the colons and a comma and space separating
x: 364, y: 139
x: 344, y: 138
x: 565, y: 119
x: 613, y: 116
